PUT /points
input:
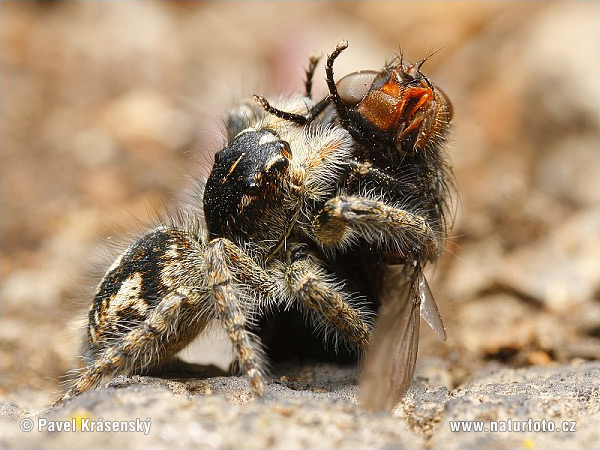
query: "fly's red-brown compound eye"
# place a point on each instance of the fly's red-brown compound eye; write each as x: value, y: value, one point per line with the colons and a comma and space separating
x: 355, y: 86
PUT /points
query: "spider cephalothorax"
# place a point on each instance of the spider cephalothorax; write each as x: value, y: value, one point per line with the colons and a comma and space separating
x: 245, y: 191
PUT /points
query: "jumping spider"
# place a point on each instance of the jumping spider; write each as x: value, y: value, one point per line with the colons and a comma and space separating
x: 279, y: 207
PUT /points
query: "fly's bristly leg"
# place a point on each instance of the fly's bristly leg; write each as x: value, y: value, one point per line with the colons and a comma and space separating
x: 299, y: 119
x: 313, y: 112
x: 284, y: 115
x: 335, y: 98
x: 313, y: 62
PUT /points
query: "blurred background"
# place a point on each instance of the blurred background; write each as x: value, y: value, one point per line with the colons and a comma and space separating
x: 110, y: 109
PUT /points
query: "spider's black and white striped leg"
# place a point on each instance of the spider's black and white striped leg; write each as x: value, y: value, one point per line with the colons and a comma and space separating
x: 223, y: 259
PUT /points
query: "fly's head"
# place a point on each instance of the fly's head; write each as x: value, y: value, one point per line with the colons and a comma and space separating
x: 397, y: 107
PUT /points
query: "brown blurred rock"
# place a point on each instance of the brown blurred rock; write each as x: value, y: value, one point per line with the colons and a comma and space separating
x: 559, y: 270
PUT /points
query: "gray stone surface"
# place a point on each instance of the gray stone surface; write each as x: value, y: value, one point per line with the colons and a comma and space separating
x: 316, y: 407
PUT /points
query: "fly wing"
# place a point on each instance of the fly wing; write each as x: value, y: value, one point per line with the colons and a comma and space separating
x: 390, y: 362
x: 429, y: 309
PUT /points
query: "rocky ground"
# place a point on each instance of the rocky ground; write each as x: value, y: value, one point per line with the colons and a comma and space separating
x: 316, y: 407
x: 110, y: 109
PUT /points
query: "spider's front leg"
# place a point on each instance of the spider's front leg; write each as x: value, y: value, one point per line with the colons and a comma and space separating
x: 297, y: 277
x: 343, y: 219
x: 221, y: 257
x: 331, y: 308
